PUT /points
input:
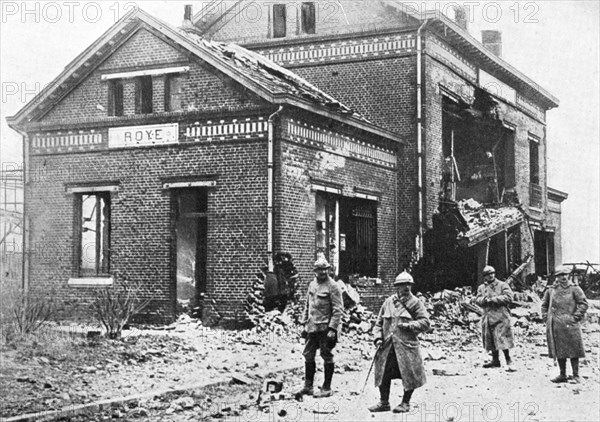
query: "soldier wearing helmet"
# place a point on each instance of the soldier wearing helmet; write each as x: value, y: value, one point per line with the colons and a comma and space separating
x: 494, y: 296
x: 401, y: 318
x: 322, y: 325
x: 564, y: 307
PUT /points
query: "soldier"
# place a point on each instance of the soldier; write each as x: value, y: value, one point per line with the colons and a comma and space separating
x: 322, y: 326
x: 564, y: 307
x: 496, y: 330
x: 401, y: 318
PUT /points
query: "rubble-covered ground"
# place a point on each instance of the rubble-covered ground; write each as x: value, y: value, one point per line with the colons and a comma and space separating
x: 54, y: 369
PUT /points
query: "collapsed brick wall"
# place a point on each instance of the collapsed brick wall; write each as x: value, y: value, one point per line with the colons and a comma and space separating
x: 437, y: 73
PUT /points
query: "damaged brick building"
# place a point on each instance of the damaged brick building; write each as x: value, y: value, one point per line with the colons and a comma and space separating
x: 473, y: 177
x: 181, y: 165
x: 167, y: 157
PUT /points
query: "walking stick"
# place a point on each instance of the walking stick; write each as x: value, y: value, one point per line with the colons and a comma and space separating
x: 381, y: 346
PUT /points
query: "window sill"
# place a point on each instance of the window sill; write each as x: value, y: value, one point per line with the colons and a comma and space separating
x: 535, y: 209
x: 91, y: 282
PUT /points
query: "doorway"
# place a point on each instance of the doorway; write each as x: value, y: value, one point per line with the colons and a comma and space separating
x: 346, y: 234
x: 543, y: 246
x: 191, y: 226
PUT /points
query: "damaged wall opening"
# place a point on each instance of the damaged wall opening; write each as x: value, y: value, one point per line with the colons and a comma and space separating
x: 346, y: 234
x: 191, y: 227
x: 479, y: 152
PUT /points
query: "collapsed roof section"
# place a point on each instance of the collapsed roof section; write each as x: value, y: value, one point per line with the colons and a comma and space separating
x: 483, y: 222
x: 269, y: 74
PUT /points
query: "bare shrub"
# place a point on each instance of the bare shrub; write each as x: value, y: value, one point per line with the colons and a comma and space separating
x: 24, y: 312
x: 114, y: 306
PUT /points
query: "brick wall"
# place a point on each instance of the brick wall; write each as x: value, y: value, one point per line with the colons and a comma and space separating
x: 205, y: 89
x: 252, y: 21
x: 297, y: 167
x: 384, y: 92
x: 141, y: 218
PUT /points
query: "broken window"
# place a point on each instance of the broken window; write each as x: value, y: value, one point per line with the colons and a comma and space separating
x: 174, y: 93
x: 279, y: 20
x: 93, y: 234
x: 115, y: 97
x: 308, y: 18
x: 143, y: 95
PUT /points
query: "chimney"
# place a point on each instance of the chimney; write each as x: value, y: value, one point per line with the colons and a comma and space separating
x: 187, y: 16
x: 461, y: 17
x: 492, y: 40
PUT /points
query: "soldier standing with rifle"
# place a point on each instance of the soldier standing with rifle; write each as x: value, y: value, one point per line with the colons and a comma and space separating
x: 401, y: 318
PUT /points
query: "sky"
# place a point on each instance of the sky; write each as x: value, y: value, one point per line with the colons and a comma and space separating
x: 555, y: 43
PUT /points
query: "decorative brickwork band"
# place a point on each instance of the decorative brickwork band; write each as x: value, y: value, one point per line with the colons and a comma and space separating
x: 222, y: 130
x: 344, y: 50
x: 67, y: 142
x: 340, y: 144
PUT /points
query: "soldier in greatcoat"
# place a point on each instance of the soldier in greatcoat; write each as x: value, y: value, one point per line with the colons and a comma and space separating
x: 564, y: 307
x: 401, y: 318
x: 494, y: 296
x: 323, y: 313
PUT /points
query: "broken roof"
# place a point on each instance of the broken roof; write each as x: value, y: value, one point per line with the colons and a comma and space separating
x: 265, y: 78
x: 485, y: 221
x: 270, y: 74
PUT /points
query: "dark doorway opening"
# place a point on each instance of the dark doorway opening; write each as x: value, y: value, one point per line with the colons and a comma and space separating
x: 543, y: 246
x: 191, y: 226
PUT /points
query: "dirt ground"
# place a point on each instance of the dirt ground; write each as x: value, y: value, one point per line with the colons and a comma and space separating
x: 73, y: 370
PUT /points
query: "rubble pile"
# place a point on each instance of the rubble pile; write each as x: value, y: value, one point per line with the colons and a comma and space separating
x: 450, y: 308
x: 254, y: 307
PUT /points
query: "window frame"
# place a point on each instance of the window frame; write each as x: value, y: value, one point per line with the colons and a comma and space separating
x: 308, y: 18
x: 279, y: 24
x: 169, y: 92
x: 102, y: 264
x: 144, y: 87
x: 115, y: 97
x: 534, y: 162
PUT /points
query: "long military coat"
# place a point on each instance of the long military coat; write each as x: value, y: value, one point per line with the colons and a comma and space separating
x: 496, y: 329
x: 404, y: 340
x: 565, y: 307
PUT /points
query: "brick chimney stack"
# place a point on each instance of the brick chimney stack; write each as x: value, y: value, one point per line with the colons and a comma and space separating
x: 461, y: 17
x: 187, y: 16
x: 492, y: 40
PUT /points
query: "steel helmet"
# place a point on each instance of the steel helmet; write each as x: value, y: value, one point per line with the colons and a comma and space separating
x: 404, y: 277
x: 321, y: 263
x: 489, y: 270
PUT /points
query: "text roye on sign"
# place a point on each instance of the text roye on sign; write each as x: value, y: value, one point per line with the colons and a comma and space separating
x: 134, y: 136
